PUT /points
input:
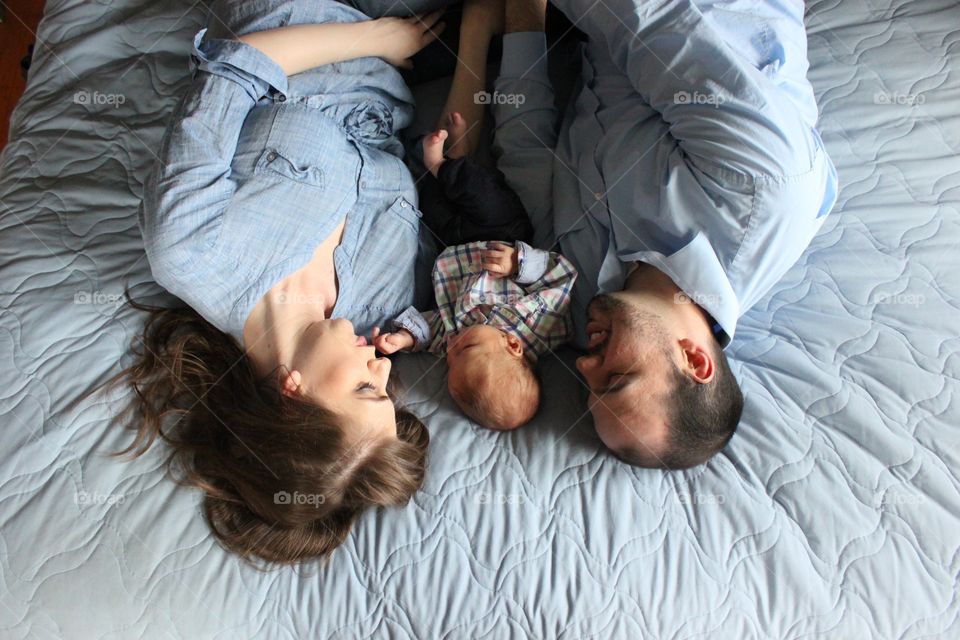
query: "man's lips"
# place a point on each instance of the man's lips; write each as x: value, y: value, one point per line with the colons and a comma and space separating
x: 596, y: 334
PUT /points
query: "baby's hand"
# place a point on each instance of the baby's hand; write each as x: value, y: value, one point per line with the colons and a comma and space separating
x: 387, y: 343
x: 500, y: 260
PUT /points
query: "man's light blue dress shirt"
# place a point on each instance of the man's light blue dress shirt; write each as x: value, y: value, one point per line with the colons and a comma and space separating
x: 690, y: 145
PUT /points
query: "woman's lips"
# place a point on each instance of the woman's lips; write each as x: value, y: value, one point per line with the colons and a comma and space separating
x: 361, y: 341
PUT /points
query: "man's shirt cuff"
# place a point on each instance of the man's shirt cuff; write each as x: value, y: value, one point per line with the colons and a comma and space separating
x: 524, y: 55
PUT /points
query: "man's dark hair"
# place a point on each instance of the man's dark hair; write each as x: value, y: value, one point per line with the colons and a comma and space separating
x: 701, y: 419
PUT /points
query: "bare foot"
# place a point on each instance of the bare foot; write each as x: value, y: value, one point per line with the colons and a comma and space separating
x: 433, y: 150
x: 457, y: 126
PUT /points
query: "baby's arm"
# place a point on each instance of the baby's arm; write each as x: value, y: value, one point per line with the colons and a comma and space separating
x: 416, y: 331
x: 548, y: 281
x: 529, y: 265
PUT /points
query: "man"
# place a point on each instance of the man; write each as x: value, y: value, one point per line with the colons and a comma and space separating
x: 685, y: 179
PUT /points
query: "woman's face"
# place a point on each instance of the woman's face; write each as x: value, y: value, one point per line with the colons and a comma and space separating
x: 339, y: 371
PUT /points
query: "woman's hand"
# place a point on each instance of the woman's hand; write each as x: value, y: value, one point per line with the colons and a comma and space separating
x: 397, y: 39
x: 389, y: 343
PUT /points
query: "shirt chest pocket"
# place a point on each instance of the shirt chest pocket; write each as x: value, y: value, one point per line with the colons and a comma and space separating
x: 385, y: 258
x: 306, y: 147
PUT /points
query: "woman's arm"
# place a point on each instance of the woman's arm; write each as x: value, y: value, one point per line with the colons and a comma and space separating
x: 482, y: 19
x: 300, y: 47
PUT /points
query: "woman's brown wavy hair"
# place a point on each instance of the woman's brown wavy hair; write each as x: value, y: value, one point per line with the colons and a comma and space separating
x: 281, y: 482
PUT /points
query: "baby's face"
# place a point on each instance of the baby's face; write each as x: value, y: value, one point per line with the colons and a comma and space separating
x: 476, y: 346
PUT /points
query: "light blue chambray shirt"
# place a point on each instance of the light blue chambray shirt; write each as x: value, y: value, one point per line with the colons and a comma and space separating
x: 256, y: 169
x: 690, y: 145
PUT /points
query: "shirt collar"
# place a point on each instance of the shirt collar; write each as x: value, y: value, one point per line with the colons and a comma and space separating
x: 696, y: 269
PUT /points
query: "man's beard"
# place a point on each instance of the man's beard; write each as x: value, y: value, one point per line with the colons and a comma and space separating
x: 624, y: 317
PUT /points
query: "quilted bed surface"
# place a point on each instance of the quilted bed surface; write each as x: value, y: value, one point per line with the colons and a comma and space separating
x: 834, y: 513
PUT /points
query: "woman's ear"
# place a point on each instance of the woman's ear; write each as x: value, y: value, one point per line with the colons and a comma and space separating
x: 514, y: 346
x: 289, y: 383
x: 697, y: 361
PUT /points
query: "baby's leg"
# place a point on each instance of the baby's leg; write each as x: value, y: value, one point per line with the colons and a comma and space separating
x: 458, y: 145
x: 433, y: 150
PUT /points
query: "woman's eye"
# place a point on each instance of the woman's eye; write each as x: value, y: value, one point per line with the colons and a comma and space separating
x: 366, y: 386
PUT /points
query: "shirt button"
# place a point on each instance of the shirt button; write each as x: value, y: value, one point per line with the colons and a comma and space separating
x: 403, y: 204
x: 363, y: 184
x: 598, y: 195
x: 281, y: 98
x: 271, y: 156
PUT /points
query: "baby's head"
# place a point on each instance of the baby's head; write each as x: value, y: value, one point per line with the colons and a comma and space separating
x: 490, y: 379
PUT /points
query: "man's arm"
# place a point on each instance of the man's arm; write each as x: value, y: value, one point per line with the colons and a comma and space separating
x: 720, y: 108
x: 526, y: 119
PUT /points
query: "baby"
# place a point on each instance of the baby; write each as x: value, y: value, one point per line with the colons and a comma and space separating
x: 499, y: 308
x: 500, y: 304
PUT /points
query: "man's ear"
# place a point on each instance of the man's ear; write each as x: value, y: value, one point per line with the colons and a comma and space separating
x: 514, y: 346
x: 697, y: 361
x: 289, y: 383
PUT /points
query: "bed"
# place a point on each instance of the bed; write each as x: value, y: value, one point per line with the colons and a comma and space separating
x: 834, y: 512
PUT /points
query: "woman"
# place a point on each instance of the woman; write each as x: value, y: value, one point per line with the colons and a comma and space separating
x: 281, y: 212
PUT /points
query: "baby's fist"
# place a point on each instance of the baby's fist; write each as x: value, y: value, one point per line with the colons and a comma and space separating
x: 500, y: 260
x: 388, y: 343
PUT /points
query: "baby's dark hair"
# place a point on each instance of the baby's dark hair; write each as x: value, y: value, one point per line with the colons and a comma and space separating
x: 498, y: 397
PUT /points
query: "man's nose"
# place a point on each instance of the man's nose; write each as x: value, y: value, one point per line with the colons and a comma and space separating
x: 587, y: 365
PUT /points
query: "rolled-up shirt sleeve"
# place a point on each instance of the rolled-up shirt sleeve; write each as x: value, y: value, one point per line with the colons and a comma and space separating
x: 532, y: 263
x: 240, y: 63
x: 191, y: 186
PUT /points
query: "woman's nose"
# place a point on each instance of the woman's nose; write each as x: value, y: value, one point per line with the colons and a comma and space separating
x: 381, y: 366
